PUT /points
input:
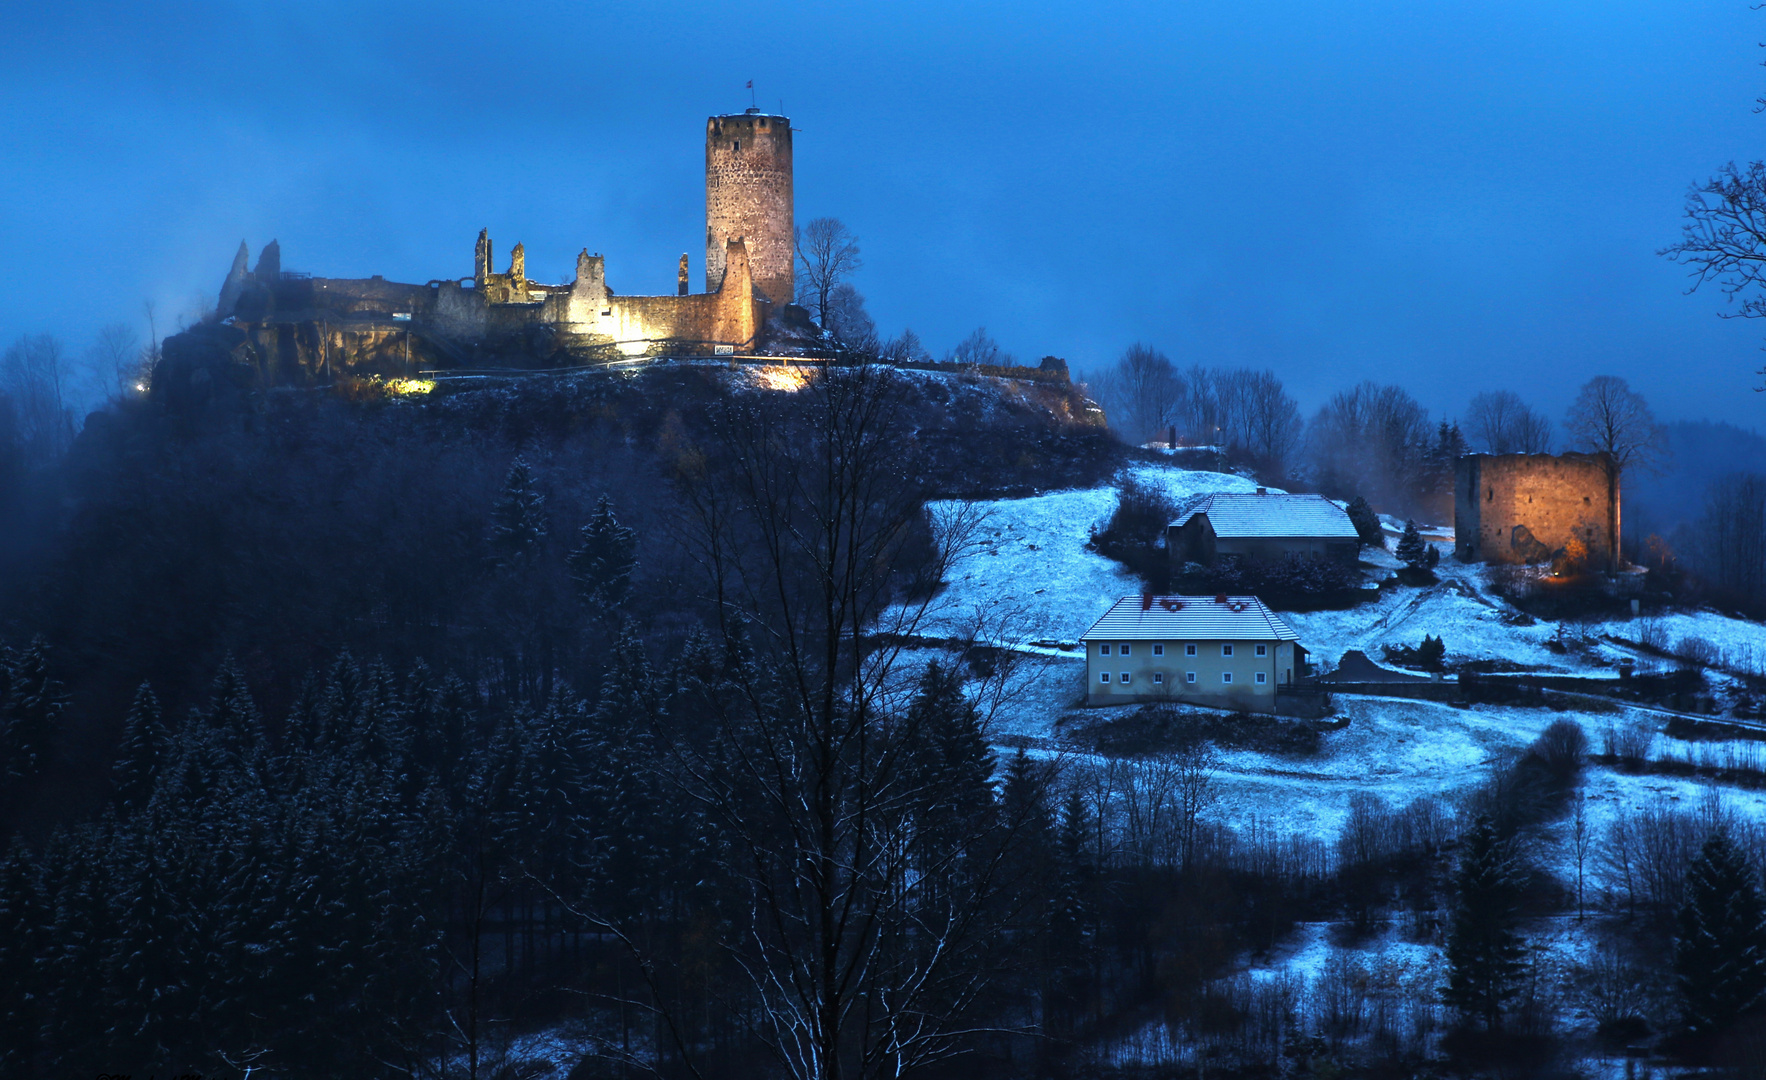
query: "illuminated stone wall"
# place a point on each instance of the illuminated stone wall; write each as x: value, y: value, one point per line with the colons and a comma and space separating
x: 1516, y: 508
x: 309, y: 329
x: 304, y: 327
x: 748, y: 197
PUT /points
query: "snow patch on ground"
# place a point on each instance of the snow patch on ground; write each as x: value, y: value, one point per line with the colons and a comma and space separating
x: 1029, y: 577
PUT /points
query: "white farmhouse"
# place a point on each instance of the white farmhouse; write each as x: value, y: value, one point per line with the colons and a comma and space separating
x: 1227, y: 652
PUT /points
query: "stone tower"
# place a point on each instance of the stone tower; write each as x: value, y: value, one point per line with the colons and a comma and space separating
x: 748, y: 198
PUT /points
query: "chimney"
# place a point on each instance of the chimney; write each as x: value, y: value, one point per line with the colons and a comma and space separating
x: 1146, y: 601
x: 1263, y: 491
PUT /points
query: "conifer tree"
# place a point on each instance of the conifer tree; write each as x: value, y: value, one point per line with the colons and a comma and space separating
x: 1412, y: 551
x: 1431, y: 653
x: 603, y: 562
x: 1483, y: 948
x: 518, y: 520
x: 1074, y: 913
x: 30, y: 711
x: 1367, y: 523
x: 1720, y: 943
x: 24, y: 916
x: 144, y: 746
x: 955, y: 767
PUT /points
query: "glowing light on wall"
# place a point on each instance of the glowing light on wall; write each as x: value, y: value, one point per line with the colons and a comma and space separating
x: 634, y: 348
x: 410, y: 387
x: 787, y: 379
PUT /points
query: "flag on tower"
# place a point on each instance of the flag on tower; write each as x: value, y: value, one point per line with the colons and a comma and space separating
x: 750, y: 84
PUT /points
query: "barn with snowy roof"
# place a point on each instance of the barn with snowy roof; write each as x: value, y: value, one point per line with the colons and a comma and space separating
x: 1226, y: 652
x: 1265, y: 525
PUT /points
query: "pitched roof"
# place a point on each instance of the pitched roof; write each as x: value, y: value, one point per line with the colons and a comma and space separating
x: 1189, y: 618
x: 1272, y: 515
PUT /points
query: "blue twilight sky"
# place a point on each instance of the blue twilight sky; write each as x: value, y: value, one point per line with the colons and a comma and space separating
x: 1455, y: 196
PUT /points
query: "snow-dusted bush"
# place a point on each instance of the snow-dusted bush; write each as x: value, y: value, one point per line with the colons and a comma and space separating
x: 1629, y: 745
x: 1696, y: 652
x: 1135, y: 534
x: 1562, y: 747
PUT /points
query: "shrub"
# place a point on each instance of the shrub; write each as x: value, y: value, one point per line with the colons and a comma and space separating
x: 1652, y: 634
x: 1135, y: 532
x: 1291, y: 578
x: 1696, y: 652
x: 1367, y: 523
x: 1630, y: 745
x: 1562, y: 747
x: 1412, y: 551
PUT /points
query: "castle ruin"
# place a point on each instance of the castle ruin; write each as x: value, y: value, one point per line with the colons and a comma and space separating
x: 306, y: 329
x: 1526, y: 508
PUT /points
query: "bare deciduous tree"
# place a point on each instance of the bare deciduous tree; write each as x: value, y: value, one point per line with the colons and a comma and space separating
x: 848, y: 320
x: 828, y: 255
x: 1723, y: 240
x: 905, y: 347
x: 35, y: 375
x: 1266, y: 421
x: 978, y: 348
x: 1371, y: 440
x: 865, y: 947
x: 1141, y: 393
x: 1611, y: 419
x: 115, y: 359
x: 1499, y: 422
x: 1731, y: 539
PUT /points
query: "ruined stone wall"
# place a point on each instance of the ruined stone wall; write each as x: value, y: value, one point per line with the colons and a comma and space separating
x: 1516, y: 508
x: 315, y: 353
x: 748, y: 197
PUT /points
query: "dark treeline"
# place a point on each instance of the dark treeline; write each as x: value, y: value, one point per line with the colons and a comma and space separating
x: 1372, y: 441
x: 663, y: 778
x: 364, y: 740
x: 275, y: 535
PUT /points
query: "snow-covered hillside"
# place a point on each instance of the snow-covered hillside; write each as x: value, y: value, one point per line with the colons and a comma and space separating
x: 1033, y: 584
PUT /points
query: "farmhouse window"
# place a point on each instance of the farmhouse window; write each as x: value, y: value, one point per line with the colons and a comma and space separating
x: 1105, y: 677
x: 1125, y: 649
x: 1158, y: 677
x: 1263, y: 650
x: 1226, y: 650
x: 1262, y: 677
x: 1158, y: 650
x: 1124, y: 676
x: 1189, y: 676
x: 1103, y: 650
x: 1226, y: 676
x: 1189, y: 650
